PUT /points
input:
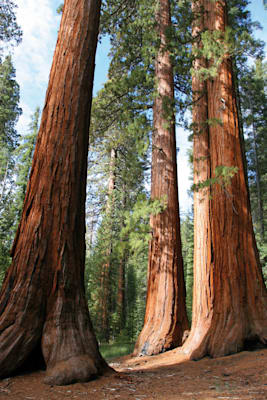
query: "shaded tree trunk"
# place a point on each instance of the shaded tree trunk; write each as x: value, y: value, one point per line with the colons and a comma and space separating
x: 121, y: 307
x: 121, y: 295
x: 43, y: 308
x: 165, y: 317
x: 230, y: 299
x: 4, y: 182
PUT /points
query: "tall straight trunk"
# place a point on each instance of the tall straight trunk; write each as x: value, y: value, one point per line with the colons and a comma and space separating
x: 105, y: 290
x: 121, y: 308
x: 165, y: 317
x: 121, y: 300
x: 4, y: 182
x: 230, y: 298
x: 43, y: 309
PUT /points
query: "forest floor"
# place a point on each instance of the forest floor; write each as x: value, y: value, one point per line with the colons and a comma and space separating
x: 169, y: 376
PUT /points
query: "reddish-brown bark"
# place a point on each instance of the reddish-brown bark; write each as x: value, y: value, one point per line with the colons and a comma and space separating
x: 165, y: 317
x: 43, y: 308
x: 230, y: 298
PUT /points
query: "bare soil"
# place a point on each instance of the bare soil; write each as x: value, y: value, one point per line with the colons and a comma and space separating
x: 169, y: 376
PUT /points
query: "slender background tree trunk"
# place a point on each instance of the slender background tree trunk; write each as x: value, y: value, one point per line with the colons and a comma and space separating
x: 165, y: 317
x: 258, y: 180
x: 121, y: 294
x: 42, y: 303
x: 105, y: 295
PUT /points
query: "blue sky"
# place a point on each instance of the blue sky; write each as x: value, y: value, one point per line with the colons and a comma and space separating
x: 39, y: 22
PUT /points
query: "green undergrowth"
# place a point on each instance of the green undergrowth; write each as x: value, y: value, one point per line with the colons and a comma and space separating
x: 114, y: 350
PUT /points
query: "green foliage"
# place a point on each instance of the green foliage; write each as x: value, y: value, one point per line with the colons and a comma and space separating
x: 9, y: 30
x: 24, y: 154
x: 253, y: 84
x: 116, y: 349
x: 262, y: 246
x: 135, y: 44
x: 136, y: 222
x: 9, y: 111
x: 9, y: 114
x: 214, y: 46
x: 60, y: 9
x: 187, y: 237
x: 7, y: 230
x: 120, y: 121
x: 110, y: 243
x: 244, y: 44
x: 223, y: 176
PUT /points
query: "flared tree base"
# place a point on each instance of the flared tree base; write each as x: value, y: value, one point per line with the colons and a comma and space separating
x: 210, y: 342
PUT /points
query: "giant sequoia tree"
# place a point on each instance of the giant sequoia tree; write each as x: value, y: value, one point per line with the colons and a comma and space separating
x: 230, y: 299
x: 165, y: 317
x: 42, y: 303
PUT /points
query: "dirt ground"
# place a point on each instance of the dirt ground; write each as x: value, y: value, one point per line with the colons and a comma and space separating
x: 169, y: 376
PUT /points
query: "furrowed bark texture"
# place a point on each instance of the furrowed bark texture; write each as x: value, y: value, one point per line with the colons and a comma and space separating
x: 42, y: 303
x: 165, y: 317
x: 230, y: 299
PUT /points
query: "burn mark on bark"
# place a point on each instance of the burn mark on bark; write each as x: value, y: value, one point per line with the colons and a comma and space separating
x: 29, y: 208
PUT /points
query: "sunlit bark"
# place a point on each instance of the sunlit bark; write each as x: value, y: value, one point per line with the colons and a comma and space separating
x: 230, y: 299
x: 165, y: 317
x: 43, y: 308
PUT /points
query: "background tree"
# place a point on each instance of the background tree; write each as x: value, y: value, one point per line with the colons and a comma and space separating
x: 9, y: 114
x: 48, y: 315
x: 187, y: 237
x: 10, y: 32
x: 254, y: 111
x: 24, y: 158
x: 117, y: 185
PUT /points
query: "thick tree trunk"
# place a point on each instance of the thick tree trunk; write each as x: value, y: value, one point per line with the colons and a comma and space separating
x: 42, y: 303
x: 230, y: 299
x: 165, y: 317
